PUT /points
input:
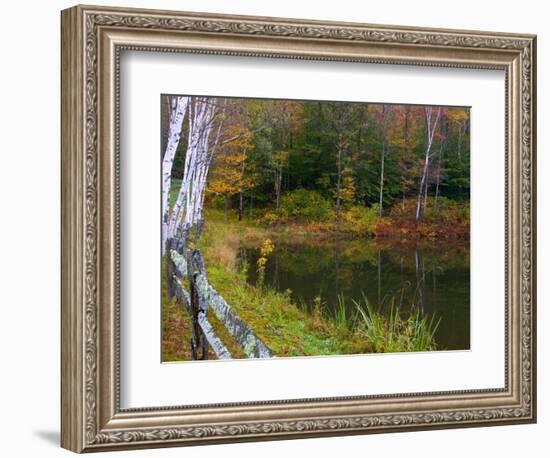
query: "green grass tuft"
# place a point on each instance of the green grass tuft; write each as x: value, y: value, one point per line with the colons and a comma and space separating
x: 395, y: 332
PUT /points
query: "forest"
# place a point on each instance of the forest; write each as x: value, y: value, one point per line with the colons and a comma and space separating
x: 320, y: 221
x: 316, y: 161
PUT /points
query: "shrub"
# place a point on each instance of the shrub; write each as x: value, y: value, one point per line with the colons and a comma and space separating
x: 403, y: 209
x: 447, y: 210
x: 305, y: 204
x: 362, y: 220
x: 269, y: 218
x: 216, y: 202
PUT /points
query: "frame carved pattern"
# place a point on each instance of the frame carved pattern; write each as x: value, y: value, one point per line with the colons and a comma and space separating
x: 371, y: 422
x: 94, y: 20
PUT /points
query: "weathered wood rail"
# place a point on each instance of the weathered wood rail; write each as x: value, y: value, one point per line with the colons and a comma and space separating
x: 186, y: 265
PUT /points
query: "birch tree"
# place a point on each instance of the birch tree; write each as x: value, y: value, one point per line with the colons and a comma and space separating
x: 384, y: 115
x: 200, y: 149
x: 409, y: 127
x: 431, y: 125
x: 442, y: 144
x: 178, y: 108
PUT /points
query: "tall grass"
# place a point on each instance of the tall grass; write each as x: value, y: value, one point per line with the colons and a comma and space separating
x: 391, y: 331
x: 291, y: 328
x: 395, y: 332
x: 341, y: 314
x: 345, y: 316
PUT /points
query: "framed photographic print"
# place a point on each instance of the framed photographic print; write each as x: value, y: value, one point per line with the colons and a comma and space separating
x: 277, y: 228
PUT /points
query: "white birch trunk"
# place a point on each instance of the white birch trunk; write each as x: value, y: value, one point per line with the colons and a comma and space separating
x: 189, y: 204
x: 196, y: 117
x: 430, y: 132
x: 194, y: 215
x: 426, y: 181
x: 385, y: 114
x: 178, y: 107
x: 438, y: 176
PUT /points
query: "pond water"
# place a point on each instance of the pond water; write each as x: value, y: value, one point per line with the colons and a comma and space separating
x: 432, y: 276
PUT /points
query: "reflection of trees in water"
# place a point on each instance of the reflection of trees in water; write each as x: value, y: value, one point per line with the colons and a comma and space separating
x: 405, y: 275
x: 420, y: 277
x: 346, y: 260
x: 304, y: 260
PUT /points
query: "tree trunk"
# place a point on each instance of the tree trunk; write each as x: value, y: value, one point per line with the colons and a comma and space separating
x: 241, y: 206
x: 339, y: 178
x: 421, y: 187
x: 279, y: 169
x: 189, y: 204
x: 382, y: 178
x: 426, y: 190
x: 405, y: 153
x: 178, y: 108
x: 430, y: 132
x: 196, y: 120
x: 225, y: 207
x: 241, y: 197
x: 438, y: 176
x: 278, y: 181
x: 385, y: 115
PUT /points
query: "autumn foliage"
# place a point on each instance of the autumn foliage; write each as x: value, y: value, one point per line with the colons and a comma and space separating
x: 337, y: 165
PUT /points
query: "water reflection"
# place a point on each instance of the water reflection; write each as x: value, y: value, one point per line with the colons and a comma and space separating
x: 432, y: 276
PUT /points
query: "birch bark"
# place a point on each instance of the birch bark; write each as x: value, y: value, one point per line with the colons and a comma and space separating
x: 405, y: 153
x: 189, y: 204
x: 178, y: 108
x: 439, y: 165
x: 192, y: 140
x: 430, y: 132
x: 385, y: 115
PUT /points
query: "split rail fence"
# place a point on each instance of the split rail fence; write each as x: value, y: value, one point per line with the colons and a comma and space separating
x: 187, y: 282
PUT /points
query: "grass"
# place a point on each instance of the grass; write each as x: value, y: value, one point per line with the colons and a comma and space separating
x: 177, y: 330
x: 291, y: 329
x: 342, y: 316
x: 288, y: 329
x: 176, y: 327
x: 395, y: 333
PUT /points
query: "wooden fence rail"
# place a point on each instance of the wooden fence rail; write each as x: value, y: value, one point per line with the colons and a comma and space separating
x: 188, y: 265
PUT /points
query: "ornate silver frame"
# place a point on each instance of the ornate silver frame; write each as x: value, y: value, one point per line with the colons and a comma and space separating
x: 92, y: 39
